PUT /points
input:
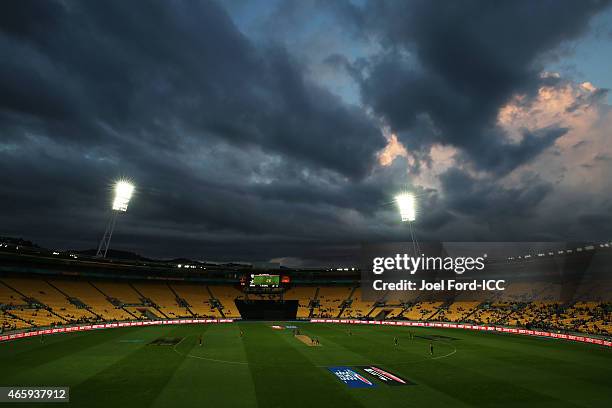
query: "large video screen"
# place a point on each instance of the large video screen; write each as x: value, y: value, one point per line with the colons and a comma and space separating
x: 265, y: 281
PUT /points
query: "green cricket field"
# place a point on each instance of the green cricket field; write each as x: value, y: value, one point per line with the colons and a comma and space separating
x: 252, y: 364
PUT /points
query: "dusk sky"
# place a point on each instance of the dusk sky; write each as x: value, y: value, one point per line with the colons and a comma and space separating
x: 281, y: 130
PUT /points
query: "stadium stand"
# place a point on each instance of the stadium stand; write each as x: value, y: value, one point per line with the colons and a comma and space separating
x: 40, y: 295
x: 304, y: 295
x: 164, y: 300
x: 357, y: 308
x: 330, y: 300
x: 225, y: 295
x: 197, y: 298
x: 457, y: 311
x: 92, y: 298
x: 36, y: 302
x: 57, y: 298
x: 122, y: 292
x: 422, y: 310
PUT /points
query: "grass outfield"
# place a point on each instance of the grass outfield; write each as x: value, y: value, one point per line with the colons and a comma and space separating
x: 271, y: 368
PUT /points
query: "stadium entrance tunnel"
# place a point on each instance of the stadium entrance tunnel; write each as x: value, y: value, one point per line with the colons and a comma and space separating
x: 267, y: 309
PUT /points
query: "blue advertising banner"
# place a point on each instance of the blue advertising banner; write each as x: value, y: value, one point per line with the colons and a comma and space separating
x: 351, y: 377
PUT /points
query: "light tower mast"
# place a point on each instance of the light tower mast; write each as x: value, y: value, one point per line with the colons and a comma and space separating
x: 407, y: 209
x: 123, y: 193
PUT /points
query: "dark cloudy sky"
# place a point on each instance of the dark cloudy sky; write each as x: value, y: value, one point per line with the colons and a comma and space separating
x: 282, y: 129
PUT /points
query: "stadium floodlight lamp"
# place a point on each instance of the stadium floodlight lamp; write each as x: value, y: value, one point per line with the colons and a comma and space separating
x: 123, y: 193
x: 406, y: 205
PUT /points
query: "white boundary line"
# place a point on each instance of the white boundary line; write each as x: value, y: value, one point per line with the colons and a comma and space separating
x: 214, y: 360
x: 245, y: 363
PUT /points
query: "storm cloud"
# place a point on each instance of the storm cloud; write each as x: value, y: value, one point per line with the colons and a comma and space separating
x: 242, y: 146
x: 457, y: 64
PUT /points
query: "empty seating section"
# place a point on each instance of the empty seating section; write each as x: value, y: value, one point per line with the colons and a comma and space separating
x: 8, y: 322
x: 30, y: 302
x: 387, y: 312
x: 589, y: 317
x: 396, y: 312
x: 534, y: 311
x: 119, y: 290
x: 457, y: 311
x: 422, y: 310
x: 330, y: 300
x: 95, y: 300
x: 163, y: 297
x: 143, y: 312
x: 226, y: 295
x: 358, y: 307
x: 38, y: 317
x: 9, y: 296
x: 19, y: 314
x: 303, y: 294
x: 41, y: 291
x: 198, y: 298
x: 495, y: 314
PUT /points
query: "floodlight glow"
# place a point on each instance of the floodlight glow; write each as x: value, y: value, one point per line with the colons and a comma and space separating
x: 123, y: 193
x: 405, y: 202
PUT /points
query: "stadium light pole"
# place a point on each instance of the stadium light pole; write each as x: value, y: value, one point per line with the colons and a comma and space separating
x: 123, y: 193
x: 406, y: 204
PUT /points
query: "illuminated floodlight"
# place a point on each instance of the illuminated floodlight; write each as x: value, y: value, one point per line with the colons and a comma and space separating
x: 123, y: 193
x: 406, y: 205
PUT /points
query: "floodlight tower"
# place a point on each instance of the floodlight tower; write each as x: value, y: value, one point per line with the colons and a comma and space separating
x: 123, y: 193
x: 407, y: 208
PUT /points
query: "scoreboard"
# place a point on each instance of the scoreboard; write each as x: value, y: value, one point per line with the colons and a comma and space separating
x: 264, y: 281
